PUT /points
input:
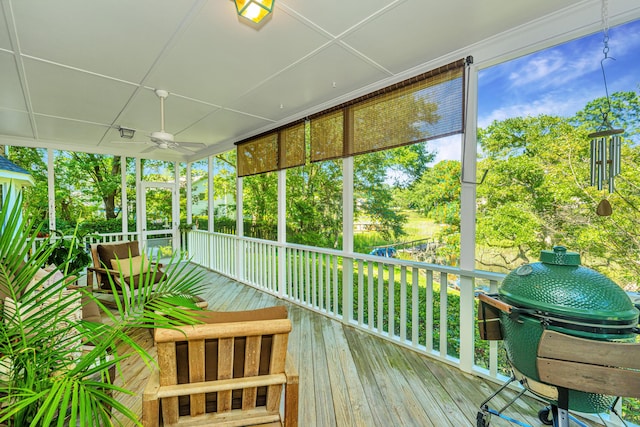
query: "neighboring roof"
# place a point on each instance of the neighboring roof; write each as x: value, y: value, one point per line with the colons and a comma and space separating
x: 11, y: 171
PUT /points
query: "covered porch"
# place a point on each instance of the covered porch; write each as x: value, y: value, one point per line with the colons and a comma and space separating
x: 378, y: 341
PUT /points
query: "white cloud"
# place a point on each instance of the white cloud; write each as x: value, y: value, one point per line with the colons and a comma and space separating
x: 550, y: 105
x: 560, y: 80
x: 447, y: 148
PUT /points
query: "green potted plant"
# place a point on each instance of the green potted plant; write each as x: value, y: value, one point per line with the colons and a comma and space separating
x: 48, y: 376
x: 71, y: 252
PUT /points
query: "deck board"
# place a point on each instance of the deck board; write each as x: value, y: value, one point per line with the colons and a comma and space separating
x: 349, y: 377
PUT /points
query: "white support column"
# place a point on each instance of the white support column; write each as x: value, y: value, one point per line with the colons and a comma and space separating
x: 282, y: 231
x: 239, y: 231
x: 124, y: 208
x: 175, y: 227
x: 467, y: 224
x: 51, y: 190
x: 210, y: 195
x: 189, y: 201
x: 347, y: 239
x: 139, y: 190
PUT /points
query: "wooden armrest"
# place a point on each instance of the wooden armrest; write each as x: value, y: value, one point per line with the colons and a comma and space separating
x: 103, y: 270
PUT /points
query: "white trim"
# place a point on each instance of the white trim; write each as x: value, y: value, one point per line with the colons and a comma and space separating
x: 139, y: 197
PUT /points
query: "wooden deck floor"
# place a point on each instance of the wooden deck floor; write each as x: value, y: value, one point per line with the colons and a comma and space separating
x: 350, y: 378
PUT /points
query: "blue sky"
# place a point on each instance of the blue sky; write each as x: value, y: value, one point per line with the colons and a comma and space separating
x: 560, y: 80
x: 557, y: 81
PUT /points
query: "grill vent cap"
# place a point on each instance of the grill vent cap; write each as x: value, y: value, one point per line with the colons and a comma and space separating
x: 560, y: 256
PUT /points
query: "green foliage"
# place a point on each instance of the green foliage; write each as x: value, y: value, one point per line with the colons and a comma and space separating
x: 623, y: 113
x: 71, y: 252
x: 537, y: 194
x: 35, y: 197
x: 47, y: 374
x: 97, y: 176
x: 437, y: 193
x: 314, y: 204
x: 261, y: 204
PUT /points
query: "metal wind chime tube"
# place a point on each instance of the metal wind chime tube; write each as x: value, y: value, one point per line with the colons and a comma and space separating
x: 605, y: 157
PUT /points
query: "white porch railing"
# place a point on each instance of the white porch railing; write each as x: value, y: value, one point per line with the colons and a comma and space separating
x: 415, y: 305
x: 411, y: 303
x: 425, y: 314
x: 95, y: 238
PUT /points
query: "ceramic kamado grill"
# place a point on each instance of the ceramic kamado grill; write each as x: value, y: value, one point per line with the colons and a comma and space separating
x: 544, y: 309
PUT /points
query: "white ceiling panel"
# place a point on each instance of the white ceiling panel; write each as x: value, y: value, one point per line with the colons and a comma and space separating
x: 222, y: 126
x: 69, y: 132
x: 231, y: 58
x: 334, y: 16
x: 143, y: 113
x: 61, y: 92
x: 432, y: 29
x: 311, y: 82
x: 10, y: 86
x: 118, y: 38
x: 16, y: 123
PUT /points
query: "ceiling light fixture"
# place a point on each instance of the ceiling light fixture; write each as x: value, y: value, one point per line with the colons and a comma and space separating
x: 126, y: 133
x: 254, y: 10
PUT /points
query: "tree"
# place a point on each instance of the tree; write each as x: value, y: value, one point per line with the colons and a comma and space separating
x: 437, y: 193
x: 537, y: 193
x: 97, y: 176
x: 531, y: 198
x: 35, y: 200
x: 615, y: 239
x: 261, y: 202
x: 314, y: 204
x: 622, y: 111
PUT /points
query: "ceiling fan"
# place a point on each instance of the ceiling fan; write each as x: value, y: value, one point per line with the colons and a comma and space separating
x: 162, y: 139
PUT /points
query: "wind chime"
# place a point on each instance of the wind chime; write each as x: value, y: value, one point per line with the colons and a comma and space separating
x: 606, y: 141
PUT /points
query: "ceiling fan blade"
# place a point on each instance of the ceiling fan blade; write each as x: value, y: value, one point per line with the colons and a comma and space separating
x: 153, y: 147
x: 128, y: 142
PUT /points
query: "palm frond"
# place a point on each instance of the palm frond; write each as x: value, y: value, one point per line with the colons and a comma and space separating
x: 51, y: 378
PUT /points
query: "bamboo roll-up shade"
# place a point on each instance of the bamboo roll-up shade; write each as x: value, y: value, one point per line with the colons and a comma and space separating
x: 327, y: 136
x: 258, y: 155
x: 427, y: 109
x: 292, y: 146
x: 424, y: 107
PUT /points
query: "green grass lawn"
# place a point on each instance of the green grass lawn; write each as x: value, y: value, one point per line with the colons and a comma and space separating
x: 416, y: 228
